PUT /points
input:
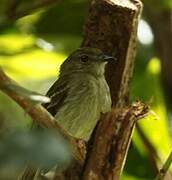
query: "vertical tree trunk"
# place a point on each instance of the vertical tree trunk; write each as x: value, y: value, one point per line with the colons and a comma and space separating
x: 161, y: 23
x: 111, y: 27
x: 160, y: 20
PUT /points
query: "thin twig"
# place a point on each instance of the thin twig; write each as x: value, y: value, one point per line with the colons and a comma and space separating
x: 165, y: 168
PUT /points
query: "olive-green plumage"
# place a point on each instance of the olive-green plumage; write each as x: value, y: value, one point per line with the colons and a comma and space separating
x: 81, y: 93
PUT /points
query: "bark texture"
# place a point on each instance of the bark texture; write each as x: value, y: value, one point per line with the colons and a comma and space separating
x: 110, y: 141
x: 111, y: 27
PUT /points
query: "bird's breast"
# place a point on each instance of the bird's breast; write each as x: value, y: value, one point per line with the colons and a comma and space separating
x: 86, y: 99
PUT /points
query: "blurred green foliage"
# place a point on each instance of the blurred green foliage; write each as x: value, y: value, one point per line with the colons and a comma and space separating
x: 31, y: 51
x: 68, y: 18
x: 146, y: 86
x: 159, y: 4
x: 20, y: 147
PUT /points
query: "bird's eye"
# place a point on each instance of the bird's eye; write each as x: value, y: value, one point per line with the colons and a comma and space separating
x: 84, y: 58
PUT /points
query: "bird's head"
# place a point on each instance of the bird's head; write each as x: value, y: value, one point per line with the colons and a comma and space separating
x: 86, y: 60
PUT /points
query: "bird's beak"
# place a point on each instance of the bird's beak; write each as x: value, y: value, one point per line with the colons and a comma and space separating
x: 108, y: 58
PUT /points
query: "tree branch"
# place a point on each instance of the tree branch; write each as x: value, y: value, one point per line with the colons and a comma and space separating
x: 109, y: 143
x: 39, y: 114
x: 13, y: 13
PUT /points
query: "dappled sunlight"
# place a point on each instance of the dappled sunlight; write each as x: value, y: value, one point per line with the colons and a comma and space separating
x: 154, y: 66
x: 14, y: 43
x: 36, y: 64
x: 30, y: 66
x: 33, y: 64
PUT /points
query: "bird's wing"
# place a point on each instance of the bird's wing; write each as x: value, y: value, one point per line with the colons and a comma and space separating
x: 57, y: 93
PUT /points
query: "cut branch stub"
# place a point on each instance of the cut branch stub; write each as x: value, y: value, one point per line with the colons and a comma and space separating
x: 111, y: 27
x: 110, y: 141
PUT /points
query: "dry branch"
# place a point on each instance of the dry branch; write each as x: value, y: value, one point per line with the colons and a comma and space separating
x: 110, y: 141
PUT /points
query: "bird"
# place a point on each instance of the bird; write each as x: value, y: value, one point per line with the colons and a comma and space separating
x: 81, y: 93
